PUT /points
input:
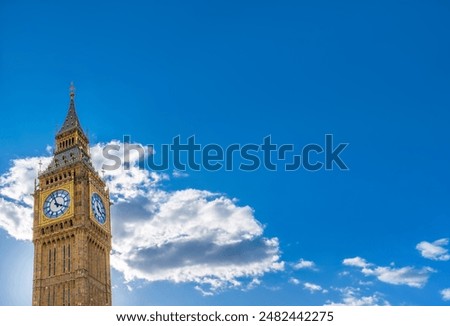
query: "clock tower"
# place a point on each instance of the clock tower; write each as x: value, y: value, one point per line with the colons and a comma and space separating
x: 72, y: 225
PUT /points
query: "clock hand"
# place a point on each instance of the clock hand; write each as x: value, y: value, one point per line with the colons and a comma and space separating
x: 59, y: 205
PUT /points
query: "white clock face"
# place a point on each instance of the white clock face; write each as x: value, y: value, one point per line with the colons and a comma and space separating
x: 98, y: 208
x: 57, y: 203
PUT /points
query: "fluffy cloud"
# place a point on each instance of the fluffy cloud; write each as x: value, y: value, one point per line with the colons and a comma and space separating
x: 434, y: 250
x: 305, y: 264
x: 401, y: 276
x: 130, y: 182
x: 352, y: 297
x: 311, y: 287
x: 356, y: 261
x: 191, y: 235
x: 445, y: 294
x: 408, y: 275
x: 16, y: 199
x: 187, y: 235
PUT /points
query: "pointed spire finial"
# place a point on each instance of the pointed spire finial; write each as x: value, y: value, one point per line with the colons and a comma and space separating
x: 71, y: 121
x: 72, y: 90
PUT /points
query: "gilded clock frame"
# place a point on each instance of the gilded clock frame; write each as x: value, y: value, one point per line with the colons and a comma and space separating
x: 43, y: 220
x: 105, y: 200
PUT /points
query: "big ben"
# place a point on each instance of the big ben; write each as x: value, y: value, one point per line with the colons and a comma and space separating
x: 72, y: 224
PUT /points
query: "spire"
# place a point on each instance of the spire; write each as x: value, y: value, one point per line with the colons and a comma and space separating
x: 72, y: 90
x: 71, y: 121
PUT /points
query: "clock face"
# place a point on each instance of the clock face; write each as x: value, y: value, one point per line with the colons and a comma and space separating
x: 98, y: 208
x: 57, y: 203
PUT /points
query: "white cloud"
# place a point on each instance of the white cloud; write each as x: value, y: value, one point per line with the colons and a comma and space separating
x: 253, y: 284
x: 356, y: 261
x: 445, y: 294
x: 305, y: 264
x: 203, y: 292
x: 125, y: 184
x: 311, y: 287
x: 434, y: 250
x: 16, y: 219
x: 352, y: 297
x: 401, y: 276
x: 179, y: 174
x: 16, y: 199
x: 294, y: 281
x: 191, y: 235
x: 188, y: 235
x: 408, y: 275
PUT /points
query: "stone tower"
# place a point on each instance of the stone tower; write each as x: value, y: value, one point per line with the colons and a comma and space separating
x: 72, y: 225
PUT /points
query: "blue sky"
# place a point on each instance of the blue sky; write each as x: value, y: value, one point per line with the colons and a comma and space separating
x: 374, y: 74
